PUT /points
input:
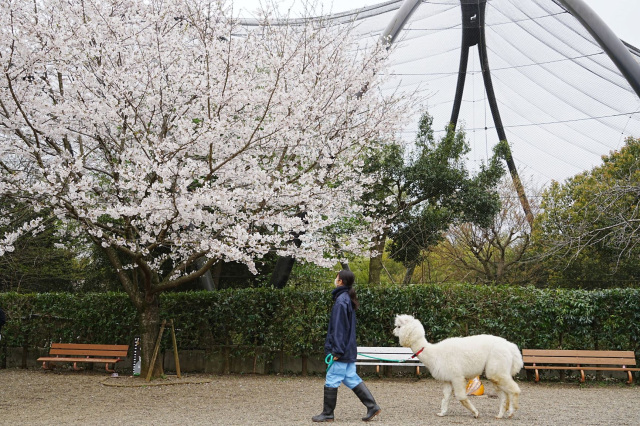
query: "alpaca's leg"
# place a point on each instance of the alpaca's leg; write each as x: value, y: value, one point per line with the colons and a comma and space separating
x: 460, y: 391
x: 514, y: 396
x: 509, y: 387
x: 447, y: 391
x: 503, y: 397
x: 510, y: 404
x: 469, y: 406
x: 503, y: 403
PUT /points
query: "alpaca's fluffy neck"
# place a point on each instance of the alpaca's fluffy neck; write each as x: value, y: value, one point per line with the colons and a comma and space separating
x: 420, y: 344
x: 426, y: 356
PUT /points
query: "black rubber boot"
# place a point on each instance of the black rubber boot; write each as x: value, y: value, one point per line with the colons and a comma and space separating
x: 330, y: 398
x: 367, y: 399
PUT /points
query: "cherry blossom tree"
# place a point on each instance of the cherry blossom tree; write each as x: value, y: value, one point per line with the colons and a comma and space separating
x: 174, y: 138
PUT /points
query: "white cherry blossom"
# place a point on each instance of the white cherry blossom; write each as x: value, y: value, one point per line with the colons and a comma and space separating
x: 165, y: 131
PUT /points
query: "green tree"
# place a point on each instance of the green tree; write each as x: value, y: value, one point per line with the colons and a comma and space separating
x: 417, y: 199
x: 497, y: 253
x: 383, y: 198
x: 590, y: 228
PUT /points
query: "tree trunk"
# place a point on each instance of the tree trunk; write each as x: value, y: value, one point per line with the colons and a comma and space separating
x: 206, y: 280
x: 409, y: 274
x: 216, y: 274
x: 282, y: 271
x: 149, y: 329
x: 375, y: 262
x: 284, y: 264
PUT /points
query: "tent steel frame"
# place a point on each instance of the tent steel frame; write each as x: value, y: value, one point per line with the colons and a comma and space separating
x: 473, y: 33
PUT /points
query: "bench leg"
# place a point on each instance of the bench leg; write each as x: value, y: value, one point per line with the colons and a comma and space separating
x: 630, y: 377
x: 582, y: 376
x: 45, y: 366
x: 106, y: 367
x: 537, y: 376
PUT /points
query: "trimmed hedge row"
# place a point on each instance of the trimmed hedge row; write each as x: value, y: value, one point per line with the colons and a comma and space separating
x: 262, y: 322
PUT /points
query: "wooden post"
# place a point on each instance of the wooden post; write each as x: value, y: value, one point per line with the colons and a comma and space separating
x: 155, y: 351
x: 175, y: 350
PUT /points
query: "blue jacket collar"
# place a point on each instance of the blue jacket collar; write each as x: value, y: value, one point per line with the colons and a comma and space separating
x: 338, y: 291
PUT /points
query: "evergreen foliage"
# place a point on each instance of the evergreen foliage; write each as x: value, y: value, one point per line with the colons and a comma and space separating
x: 259, y: 321
x: 419, y: 197
x: 589, y: 226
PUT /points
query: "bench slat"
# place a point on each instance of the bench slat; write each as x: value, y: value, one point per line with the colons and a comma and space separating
x: 397, y: 364
x: 578, y: 360
x: 571, y: 352
x: 386, y: 356
x: 393, y: 360
x: 384, y: 350
x: 61, y: 359
x: 87, y: 352
x: 568, y: 367
x: 88, y: 346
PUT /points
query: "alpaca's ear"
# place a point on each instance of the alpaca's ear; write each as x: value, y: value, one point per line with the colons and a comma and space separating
x: 399, y: 321
x: 402, y: 320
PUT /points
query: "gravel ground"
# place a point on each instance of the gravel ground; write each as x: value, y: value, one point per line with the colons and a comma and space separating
x: 35, y: 397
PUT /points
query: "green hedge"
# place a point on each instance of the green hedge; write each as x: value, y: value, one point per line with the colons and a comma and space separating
x: 294, y: 322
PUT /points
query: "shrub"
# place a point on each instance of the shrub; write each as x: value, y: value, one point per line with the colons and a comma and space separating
x: 256, y: 321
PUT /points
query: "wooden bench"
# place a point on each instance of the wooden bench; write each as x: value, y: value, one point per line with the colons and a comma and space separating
x: 547, y: 359
x: 378, y: 355
x: 77, y: 352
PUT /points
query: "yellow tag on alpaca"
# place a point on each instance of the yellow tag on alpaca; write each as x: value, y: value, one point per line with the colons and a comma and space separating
x: 475, y: 387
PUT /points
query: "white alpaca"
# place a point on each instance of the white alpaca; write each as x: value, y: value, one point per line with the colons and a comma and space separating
x: 458, y: 359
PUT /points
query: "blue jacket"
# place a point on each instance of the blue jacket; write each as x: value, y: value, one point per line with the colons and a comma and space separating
x: 341, y: 335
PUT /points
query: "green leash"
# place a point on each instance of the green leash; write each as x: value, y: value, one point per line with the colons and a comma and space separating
x: 393, y: 360
x: 329, y: 358
x: 383, y: 359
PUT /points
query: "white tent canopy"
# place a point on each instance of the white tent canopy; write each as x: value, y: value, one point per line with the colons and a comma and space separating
x: 562, y: 100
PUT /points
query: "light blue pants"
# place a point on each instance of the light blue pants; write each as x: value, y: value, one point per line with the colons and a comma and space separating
x: 342, y: 372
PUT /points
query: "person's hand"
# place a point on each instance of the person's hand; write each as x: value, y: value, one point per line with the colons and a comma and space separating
x: 335, y: 357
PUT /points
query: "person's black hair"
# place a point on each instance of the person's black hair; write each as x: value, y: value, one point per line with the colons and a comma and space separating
x: 347, y: 277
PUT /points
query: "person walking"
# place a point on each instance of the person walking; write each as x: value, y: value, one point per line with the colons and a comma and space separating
x: 341, y: 348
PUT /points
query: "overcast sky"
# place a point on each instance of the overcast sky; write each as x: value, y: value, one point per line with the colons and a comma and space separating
x: 622, y: 16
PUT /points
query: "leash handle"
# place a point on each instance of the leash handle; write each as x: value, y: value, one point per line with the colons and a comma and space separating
x: 329, y: 361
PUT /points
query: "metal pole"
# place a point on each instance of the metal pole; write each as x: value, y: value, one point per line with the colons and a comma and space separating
x: 473, y: 13
x: 462, y: 75
x: 399, y: 20
x: 607, y: 39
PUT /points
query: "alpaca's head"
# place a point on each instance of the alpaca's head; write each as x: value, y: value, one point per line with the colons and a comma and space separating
x: 408, y: 330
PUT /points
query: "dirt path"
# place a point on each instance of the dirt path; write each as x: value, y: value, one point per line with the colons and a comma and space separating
x: 34, y: 397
